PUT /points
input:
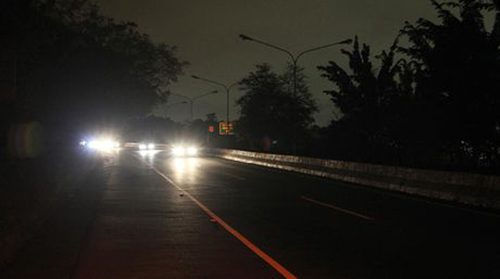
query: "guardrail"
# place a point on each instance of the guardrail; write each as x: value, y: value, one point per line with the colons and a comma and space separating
x: 470, y: 189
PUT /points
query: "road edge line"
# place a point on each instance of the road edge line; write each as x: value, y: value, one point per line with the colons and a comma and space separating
x: 265, y: 257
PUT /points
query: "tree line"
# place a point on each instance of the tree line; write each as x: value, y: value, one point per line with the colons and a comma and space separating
x: 78, y: 70
x: 432, y: 101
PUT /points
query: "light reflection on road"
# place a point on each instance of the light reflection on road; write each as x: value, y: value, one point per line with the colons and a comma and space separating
x: 185, y: 170
x: 149, y: 155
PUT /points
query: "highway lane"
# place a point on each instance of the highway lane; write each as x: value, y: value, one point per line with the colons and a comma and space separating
x: 405, y: 237
x: 148, y: 215
x: 145, y: 228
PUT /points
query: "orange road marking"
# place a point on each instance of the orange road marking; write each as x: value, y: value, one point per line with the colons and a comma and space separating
x: 278, y: 267
x: 338, y: 208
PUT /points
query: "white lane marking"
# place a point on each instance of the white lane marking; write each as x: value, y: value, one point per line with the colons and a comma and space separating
x: 338, y: 208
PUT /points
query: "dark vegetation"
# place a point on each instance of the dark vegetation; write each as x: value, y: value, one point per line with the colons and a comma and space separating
x: 432, y: 101
x: 272, y: 118
x: 66, y: 71
x: 78, y: 70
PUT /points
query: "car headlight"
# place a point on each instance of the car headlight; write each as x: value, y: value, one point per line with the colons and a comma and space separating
x: 107, y: 144
x: 151, y: 146
x: 142, y: 146
x: 93, y: 144
x: 192, y: 151
x: 103, y: 145
x: 179, y: 151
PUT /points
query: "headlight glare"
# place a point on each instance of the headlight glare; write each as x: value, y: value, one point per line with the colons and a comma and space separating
x: 179, y: 151
x: 192, y: 151
x: 103, y: 145
x: 93, y: 144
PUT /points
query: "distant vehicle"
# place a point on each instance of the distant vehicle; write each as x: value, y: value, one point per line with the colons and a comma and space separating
x: 185, y: 150
x: 100, y: 144
x: 83, y: 142
x: 147, y: 146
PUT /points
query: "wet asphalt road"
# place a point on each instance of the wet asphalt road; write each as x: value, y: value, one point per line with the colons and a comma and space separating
x: 147, y: 218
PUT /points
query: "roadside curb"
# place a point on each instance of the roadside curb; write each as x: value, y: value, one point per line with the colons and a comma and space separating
x: 468, y: 189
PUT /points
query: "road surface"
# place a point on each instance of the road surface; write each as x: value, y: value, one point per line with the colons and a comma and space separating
x: 149, y: 215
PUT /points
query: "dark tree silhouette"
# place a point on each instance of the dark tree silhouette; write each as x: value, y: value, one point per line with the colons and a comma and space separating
x: 437, y: 107
x: 152, y: 129
x: 457, y: 66
x: 365, y: 97
x: 270, y: 114
x: 78, y: 69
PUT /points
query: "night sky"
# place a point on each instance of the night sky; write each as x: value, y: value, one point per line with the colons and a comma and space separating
x: 206, y: 33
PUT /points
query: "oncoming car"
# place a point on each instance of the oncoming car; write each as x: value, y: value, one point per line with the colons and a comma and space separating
x: 100, y: 144
x: 147, y: 146
x: 185, y: 150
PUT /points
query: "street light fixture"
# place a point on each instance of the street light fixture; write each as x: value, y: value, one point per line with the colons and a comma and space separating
x: 227, y: 88
x: 178, y: 103
x: 192, y: 99
x: 295, y: 59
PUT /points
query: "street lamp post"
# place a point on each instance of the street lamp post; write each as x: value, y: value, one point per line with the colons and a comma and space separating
x: 191, y: 100
x: 175, y: 104
x: 227, y: 88
x: 295, y: 59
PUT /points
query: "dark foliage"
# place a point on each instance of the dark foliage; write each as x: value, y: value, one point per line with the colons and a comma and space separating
x: 152, y: 129
x: 457, y: 66
x: 78, y: 69
x: 271, y: 116
x: 367, y: 100
x: 437, y: 106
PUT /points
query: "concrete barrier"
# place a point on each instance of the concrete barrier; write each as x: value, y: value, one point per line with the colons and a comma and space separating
x: 470, y: 189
